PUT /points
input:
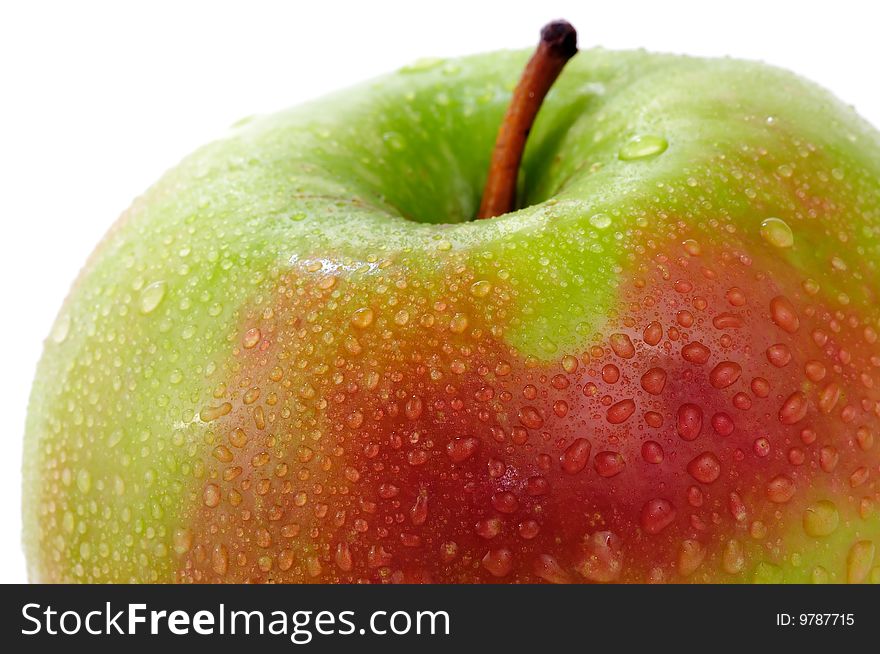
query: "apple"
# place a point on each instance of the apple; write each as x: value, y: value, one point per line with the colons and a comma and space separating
x: 297, y: 357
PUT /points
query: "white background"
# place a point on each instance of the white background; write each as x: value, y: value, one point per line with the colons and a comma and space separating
x: 98, y: 99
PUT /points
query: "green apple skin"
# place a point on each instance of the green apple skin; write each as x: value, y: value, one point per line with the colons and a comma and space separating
x: 296, y: 358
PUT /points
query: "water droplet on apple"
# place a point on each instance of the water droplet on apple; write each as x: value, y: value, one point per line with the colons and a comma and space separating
x: 779, y: 355
x: 528, y: 529
x: 654, y: 381
x: 695, y: 353
x: 689, y: 421
x: 780, y: 489
x: 481, y: 288
x: 499, y: 562
x: 859, y: 476
x: 783, y: 314
x: 722, y: 423
x: 61, y: 328
x: 653, y: 333
x: 727, y: 320
x: 182, y: 540
x: 690, y: 555
x: 705, y: 468
x: 652, y: 452
x: 761, y: 446
x: 814, y: 370
x: 505, y: 502
x: 461, y: 449
x: 620, y: 412
x: 733, y: 558
x: 777, y: 233
x: 343, y: 557
x: 793, y: 409
x: 251, y: 338
x: 600, y: 220
x: 419, y: 512
x: 622, y: 345
x: 610, y: 373
x: 114, y: 438
x: 828, y: 397
x: 152, y: 296
x: 83, y: 480
x: 609, y: 464
x: 530, y: 417
x: 821, y: 519
x: 859, y: 561
x: 725, y: 374
x: 576, y: 456
x: 547, y: 568
x: 865, y: 438
x: 601, y: 557
x: 642, y: 147
x: 458, y: 323
x: 569, y: 363
x: 488, y: 528
x: 211, y: 495
x: 736, y: 297
x: 219, y: 559
x: 692, y: 247
x: 362, y: 318
x: 737, y: 507
x: 657, y: 514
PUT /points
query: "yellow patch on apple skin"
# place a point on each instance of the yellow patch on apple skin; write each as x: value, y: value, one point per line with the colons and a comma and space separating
x: 378, y: 427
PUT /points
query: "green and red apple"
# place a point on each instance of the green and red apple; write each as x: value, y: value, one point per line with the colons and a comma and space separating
x: 297, y: 358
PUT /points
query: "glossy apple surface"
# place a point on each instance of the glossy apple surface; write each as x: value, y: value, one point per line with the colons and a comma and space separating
x: 297, y: 359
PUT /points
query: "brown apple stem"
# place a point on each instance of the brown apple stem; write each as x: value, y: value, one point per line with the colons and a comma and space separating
x: 558, y: 44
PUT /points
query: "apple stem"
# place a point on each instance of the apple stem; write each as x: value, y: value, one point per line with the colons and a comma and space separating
x: 558, y: 44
